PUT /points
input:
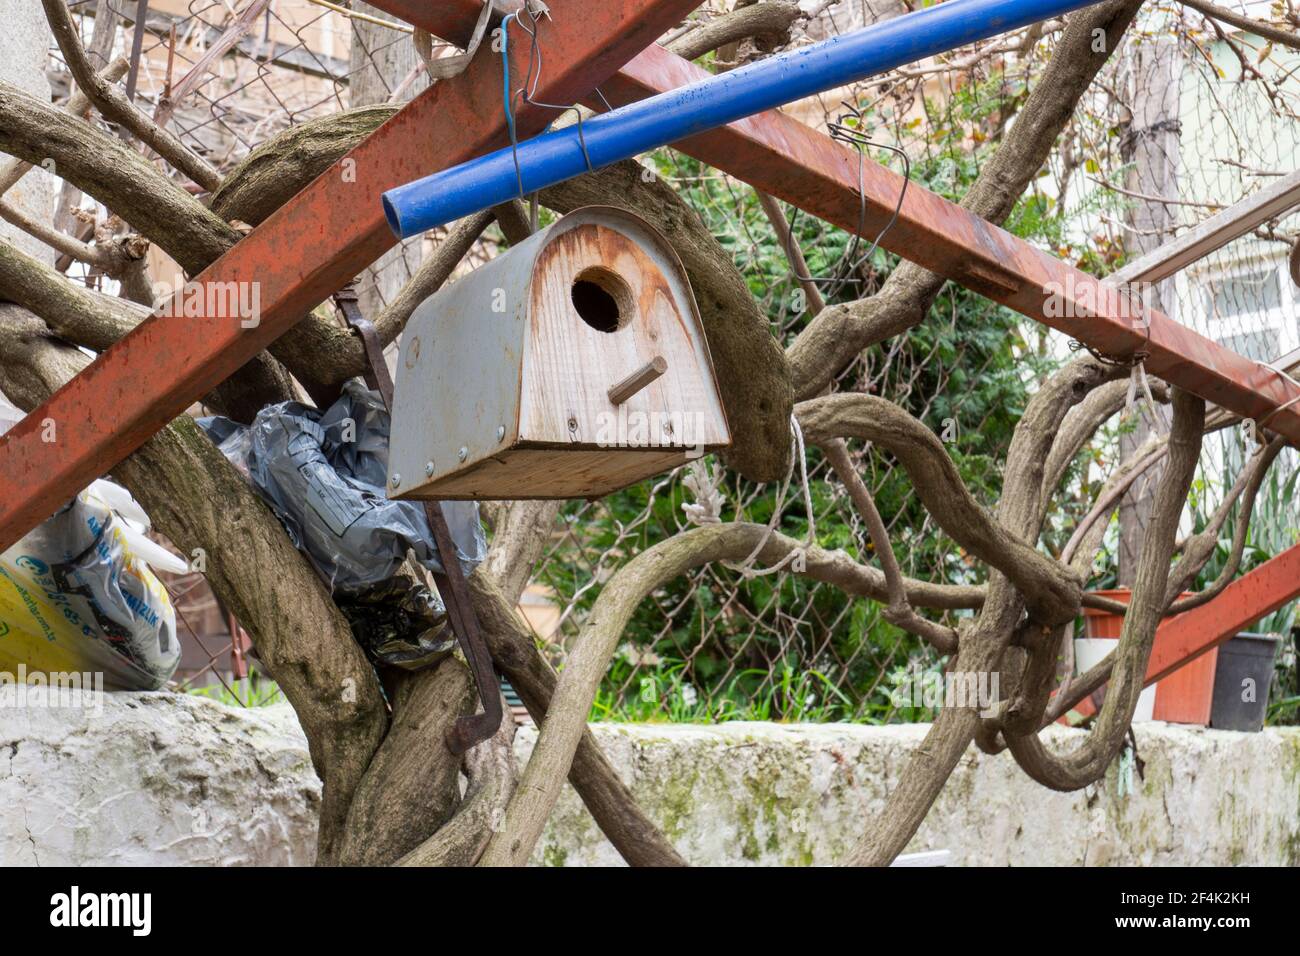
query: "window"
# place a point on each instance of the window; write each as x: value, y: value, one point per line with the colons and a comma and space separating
x: 1244, y: 294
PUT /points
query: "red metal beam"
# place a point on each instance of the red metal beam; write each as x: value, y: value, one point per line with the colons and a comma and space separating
x: 1240, y: 607
x: 1257, y: 594
x: 306, y: 250
x: 785, y: 158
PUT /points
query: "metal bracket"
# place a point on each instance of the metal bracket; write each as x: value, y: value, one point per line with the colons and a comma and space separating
x: 474, y: 729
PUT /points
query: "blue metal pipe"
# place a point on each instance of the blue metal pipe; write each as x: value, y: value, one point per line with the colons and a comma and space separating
x: 650, y: 123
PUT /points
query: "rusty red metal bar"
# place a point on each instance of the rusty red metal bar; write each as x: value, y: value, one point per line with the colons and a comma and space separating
x: 785, y: 158
x: 1255, y: 595
x: 306, y: 250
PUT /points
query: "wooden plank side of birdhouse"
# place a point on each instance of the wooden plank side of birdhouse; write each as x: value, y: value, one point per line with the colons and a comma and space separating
x: 570, y: 364
x: 566, y: 472
x: 458, y: 377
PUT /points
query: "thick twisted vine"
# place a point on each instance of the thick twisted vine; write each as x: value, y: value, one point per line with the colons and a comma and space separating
x: 1086, y: 763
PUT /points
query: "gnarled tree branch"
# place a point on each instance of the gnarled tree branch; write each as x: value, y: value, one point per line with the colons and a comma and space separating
x: 768, y: 22
x: 1086, y: 763
x: 113, y: 104
x: 1249, y: 24
x: 1051, y: 589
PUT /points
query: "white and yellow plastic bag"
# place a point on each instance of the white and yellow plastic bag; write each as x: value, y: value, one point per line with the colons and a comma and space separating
x: 77, y: 595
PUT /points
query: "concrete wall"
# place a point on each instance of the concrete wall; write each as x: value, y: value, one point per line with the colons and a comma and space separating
x: 154, y: 779
x: 770, y: 794
x: 170, y: 779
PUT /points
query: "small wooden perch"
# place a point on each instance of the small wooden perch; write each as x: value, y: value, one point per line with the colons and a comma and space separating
x: 647, y: 373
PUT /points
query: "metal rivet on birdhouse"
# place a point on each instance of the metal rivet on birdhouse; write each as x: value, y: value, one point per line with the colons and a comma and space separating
x: 428, y: 468
x: 395, y: 480
x: 603, y: 343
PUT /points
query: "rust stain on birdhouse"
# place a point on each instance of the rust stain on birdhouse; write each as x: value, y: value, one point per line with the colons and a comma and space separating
x: 569, y: 367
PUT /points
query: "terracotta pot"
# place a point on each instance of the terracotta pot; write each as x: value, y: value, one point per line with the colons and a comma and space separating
x: 1186, y: 695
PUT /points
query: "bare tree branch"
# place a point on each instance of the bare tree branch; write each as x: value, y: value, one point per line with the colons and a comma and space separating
x: 591, y: 653
x: 73, y: 312
x: 78, y: 105
x: 1198, y: 549
x: 608, y: 800
x: 769, y: 22
x: 898, y: 611
x: 101, y: 259
x: 113, y: 104
x: 118, y: 177
x: 1050, y: 588
x: 1082, y: 423
x: 1249, y: 24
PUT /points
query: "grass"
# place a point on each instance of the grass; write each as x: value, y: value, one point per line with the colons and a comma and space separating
x: 256, y: 690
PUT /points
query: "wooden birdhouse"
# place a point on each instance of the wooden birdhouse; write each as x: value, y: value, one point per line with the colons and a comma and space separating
x: 571, y: 366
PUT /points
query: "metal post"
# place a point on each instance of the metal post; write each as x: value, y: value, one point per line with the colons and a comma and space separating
x: 137, y: 44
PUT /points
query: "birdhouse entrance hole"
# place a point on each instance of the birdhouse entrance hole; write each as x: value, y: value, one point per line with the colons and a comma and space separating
x: 602, y: 298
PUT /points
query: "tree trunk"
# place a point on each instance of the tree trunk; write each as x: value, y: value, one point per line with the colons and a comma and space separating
x: 1151, y: 147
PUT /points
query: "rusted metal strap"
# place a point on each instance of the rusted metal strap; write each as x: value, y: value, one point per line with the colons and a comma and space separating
x: 471, y: 730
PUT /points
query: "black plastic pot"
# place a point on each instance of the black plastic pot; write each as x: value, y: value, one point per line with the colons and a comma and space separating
x: 1244, y: 659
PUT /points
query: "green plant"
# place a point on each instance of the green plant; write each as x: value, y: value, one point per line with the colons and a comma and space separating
x: 256, y: 690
